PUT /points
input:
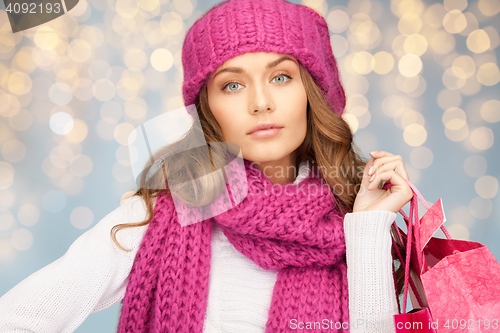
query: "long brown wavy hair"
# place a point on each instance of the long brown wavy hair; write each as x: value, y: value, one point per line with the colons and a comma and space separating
x: 328, y: 145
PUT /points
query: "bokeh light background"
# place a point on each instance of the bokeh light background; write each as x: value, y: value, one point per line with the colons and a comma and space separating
x: 421, y: 79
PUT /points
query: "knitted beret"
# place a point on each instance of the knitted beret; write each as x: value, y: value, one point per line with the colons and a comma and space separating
x: 234, y: 27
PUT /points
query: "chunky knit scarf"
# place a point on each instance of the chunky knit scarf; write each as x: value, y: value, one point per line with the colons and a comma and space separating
x: 295, y: 228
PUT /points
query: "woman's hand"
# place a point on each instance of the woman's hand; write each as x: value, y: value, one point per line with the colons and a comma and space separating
x: 386, y: 167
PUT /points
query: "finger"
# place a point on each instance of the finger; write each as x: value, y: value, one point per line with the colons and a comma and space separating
x: 396, y: 165
x: 380, y: 153
x: 398, y: 183
x: 365, y: 180
x: 380, y: 161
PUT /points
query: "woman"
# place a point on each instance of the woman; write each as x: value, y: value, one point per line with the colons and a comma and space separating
x: 279, y: 260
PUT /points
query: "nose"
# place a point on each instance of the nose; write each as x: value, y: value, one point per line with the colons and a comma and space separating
x: 261, y: 99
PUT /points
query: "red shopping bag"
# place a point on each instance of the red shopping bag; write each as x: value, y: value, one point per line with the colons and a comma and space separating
x: 455, y: 284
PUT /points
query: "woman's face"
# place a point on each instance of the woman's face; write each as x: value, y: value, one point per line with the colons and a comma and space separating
x: 260, y: 87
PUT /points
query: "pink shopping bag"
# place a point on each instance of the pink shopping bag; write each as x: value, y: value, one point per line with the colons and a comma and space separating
x: 455, y: 284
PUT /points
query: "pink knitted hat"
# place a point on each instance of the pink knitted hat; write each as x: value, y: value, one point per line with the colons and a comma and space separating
x: 234, y: 27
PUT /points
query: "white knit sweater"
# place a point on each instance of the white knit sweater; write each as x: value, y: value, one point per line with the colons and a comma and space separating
x: 92, y: 276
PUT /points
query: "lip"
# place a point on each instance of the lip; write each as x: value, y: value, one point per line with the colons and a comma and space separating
x: 265, y: 128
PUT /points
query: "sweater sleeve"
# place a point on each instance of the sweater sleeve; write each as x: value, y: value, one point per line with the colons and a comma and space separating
x: 91, y: 276
x: 372, y: 295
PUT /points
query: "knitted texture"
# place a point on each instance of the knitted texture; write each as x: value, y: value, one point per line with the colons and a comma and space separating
x: 235, y: 27
x: 295, y: 228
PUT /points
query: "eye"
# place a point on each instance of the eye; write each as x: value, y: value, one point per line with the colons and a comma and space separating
x: 283, y: 75
x: 230, y: 84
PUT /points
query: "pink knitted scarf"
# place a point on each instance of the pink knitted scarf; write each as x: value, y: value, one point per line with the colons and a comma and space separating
x: 295, y: 228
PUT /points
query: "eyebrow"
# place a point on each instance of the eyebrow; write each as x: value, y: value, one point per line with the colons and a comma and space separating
x: 241, y: 70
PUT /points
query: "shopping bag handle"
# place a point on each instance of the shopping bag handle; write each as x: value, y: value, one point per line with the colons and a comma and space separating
x: 412, y: 228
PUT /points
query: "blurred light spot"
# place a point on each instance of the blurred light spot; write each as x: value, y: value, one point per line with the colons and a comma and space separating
x: 338, y: 21
x: 458, y: 231
x: 122, y: 156
x: 352, y: 121
x: 410, y: 65
x: 362, y: 62
x: 478, y: 41
x: 13, y: 151
x: 61, y: 123
x: 409, y: 24
x: 415, y: 44
x: 79, y: 50
x: 149, y: 5
x: 28, y: 215
x: 5, y: 248
x: 19, y: 83
x: 185, y: 8
x: 81, y: 217
x: 339, y: 45
x: 99, y: 69
x: 421, y: 157
x: 480, y: 208
x: 21, y: 121
x: 105, y: 130
x: 70, y: 184
x: 487, y: 187
x: 454, y: 118
x: 6, y: 220
x: 54, y: 201
x: 393, y: 106
x: 162, y: 60
x: 60, y: 93
x: 355, y: 84
x: 493, y: 36
x: 127, y: 8
x: 482, y: 138
x: 410, y: 117
x: 463, y: 67
x: 7, y: 197
x: 24, y: 59
x: 81, y: 165
x: 82, y: 89
x: 50, y: 169
x: 442, y: 42
x: 461, y: 215
x: 415, y: 135
x: 472, y: 24
x: 111, y: 112
x: 488, y: 74
x: 6, y: 175
x: 434, y: 15
x: 459, y: 5
x: 471, y: 86
x: 136, y: 108
x: 489, y: 7
x: 78, y: 133
x: 451, y: 81
x: 475, y: 166
x: 171, y: 23
x: 122, y: 173
x: 412, y: 86
x: 46, y: 38
x: 92, y: 35
x: 382, y: 62
x: 103, y: 90
x: 490, y: 111
x: 9, y: 104
x: 135, y: 59
x: 454, y: 21
x: 127, y: 88
x: 21, y: 239
x: 121, y: 133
